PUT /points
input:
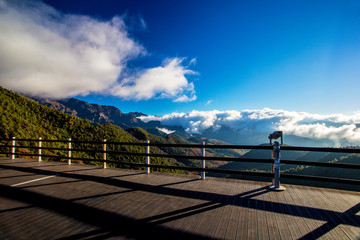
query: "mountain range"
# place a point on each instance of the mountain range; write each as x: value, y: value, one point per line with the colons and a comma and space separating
x: 95, y: 113
x: 100, y: 114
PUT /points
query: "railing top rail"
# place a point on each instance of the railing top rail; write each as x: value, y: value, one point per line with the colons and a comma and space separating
x: 33, y: 140
x: 321, y: 149
x: 227, y: 146
x: 262, y: 147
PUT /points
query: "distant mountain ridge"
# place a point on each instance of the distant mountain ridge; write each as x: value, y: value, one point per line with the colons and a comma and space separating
x: 95, y: 113
x: 101, y: 114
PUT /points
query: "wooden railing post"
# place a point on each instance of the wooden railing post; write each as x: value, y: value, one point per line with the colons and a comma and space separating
x: 13, y: 148
x: 104, y: 153
x: 203, y: 161
x: 147, y: 158
x: 39, y: 150
x: 276, y: 168
x: 69, y: 151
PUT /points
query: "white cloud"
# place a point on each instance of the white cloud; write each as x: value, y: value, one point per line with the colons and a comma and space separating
x: 192, y: 62
x: 45, y: 52
x: 208, y: 102
x: 165, y: 130
x: 328, y: 127
x: 166, y: 81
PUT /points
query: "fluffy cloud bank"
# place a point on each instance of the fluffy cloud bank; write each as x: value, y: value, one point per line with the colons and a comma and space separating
x: 166, y: 81
x: 48, y: 53
x: 328, y: 127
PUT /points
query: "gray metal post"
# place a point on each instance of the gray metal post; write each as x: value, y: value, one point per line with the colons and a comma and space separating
x: 147, y: 158
x: 276, y: 168
x: 69, y: 151
x: 203, y: 161
x: 13, y: 148
x: 39, y: 150
x: 104, y: 153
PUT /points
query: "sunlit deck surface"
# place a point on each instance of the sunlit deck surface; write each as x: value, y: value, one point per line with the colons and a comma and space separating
x: 51, y: 200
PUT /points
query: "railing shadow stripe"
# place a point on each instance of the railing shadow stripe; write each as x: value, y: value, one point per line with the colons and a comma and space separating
x: 313, y: 213
x: 108, y: 221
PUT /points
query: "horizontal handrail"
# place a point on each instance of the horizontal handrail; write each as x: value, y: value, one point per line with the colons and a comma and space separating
x: 321, y: 149
x: 33, y: 140
x: 261, y: 147
x: 321, y: 164
x: 227, y: 146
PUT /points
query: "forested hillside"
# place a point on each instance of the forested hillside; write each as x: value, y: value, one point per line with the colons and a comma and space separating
x: 26, y: 119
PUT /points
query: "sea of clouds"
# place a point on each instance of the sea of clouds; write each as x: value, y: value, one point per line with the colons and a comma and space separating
x: 45, y: 52
x: 338, y: 128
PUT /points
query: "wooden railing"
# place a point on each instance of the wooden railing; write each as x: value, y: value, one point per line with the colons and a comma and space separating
x: 12, y: 146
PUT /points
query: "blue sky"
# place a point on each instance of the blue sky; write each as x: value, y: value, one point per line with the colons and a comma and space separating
x: 293, y: 55
x: 298, y: 56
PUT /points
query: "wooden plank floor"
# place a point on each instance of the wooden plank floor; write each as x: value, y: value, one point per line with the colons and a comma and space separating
x: 51, y: 200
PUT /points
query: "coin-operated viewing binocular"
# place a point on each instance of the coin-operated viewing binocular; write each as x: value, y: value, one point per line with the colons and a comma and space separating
x: 276, y: 135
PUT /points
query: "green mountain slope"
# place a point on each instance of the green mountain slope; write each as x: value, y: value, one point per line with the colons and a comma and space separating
x: 26, y: 119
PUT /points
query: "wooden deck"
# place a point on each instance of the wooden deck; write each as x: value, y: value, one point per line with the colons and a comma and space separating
x: 50, y: 200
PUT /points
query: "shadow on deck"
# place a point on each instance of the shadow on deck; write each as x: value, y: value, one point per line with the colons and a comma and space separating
x: 51, y: 200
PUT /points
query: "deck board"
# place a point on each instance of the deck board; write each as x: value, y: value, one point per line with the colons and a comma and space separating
x: 338, y: 205
x: 84, y: 201
x: 297, y: 222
